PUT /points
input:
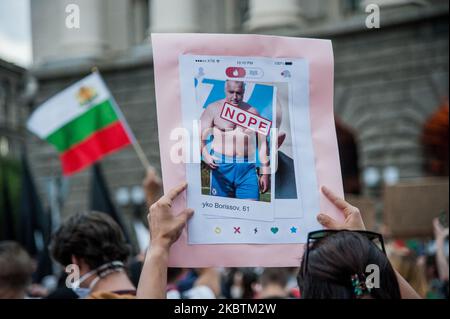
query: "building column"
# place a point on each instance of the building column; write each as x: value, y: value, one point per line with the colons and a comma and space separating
x: 89, y: 39
x: 394, y: 4
x: 265, y: 14
x: 334, y: 11
x: 174, y: 16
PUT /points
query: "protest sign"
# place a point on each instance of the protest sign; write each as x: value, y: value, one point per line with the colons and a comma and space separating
x: 246, y: 187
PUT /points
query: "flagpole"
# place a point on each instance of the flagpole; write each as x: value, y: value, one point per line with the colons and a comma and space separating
x: 137, y: 147
x: 141, y: 155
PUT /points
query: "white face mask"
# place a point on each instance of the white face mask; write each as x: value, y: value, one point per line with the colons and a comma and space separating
x: 82, y: 293
x: 101, y: 272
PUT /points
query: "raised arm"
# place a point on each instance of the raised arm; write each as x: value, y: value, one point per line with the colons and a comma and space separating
x: 152, y: 185
x: 165, y: 229
x: 354, y: 221
x: 206, y: 126
x: 264, y: 158
x: 440, y: 233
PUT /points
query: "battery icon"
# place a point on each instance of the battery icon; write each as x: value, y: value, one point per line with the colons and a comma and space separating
x: 288, y: 63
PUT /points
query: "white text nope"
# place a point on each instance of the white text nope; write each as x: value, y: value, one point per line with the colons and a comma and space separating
x: 245, y: 119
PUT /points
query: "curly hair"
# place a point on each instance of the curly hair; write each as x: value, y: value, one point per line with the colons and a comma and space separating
x: 94, y: 237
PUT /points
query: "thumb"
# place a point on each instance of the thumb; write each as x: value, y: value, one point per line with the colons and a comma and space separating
x: 327, y: 221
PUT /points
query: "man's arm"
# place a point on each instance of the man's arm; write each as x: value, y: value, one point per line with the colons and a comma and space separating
x: 264, y: 158
x: 153, y: 279
x: 440, y: 233
x: 165, y: 229
x: 152, y: 185
x: 206, y: 126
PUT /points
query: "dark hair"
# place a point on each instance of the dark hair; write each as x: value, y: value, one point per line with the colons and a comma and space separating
x: 334, y: 259
x: 249, y: 278
x: 274, y: 276
x: 16, y: 266
x: 173, y: 273
x: 95, y: 237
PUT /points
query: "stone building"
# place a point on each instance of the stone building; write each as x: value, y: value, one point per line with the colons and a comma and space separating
x: 388, y: 81
x: 13, y: 114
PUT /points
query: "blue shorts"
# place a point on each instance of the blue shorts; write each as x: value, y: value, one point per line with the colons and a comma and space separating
x: 235, y: 177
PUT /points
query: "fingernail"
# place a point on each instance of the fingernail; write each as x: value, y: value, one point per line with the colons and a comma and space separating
x: 324, y: 189
x: 321, y: 217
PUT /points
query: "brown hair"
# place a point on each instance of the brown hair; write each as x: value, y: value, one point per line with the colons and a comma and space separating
x: 16, y: 266
x: 274, y: 276
x: 95, y: 237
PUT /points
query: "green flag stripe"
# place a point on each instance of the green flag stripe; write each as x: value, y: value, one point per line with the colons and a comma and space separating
x: 83, y: 126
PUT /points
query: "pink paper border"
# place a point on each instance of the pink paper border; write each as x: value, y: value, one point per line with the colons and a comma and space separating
x: 319, y: 53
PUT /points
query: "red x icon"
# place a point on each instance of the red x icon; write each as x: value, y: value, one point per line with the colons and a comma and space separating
x: 237, y: 230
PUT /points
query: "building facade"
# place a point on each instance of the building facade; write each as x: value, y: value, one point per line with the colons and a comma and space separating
x: 13, y: 114
x: 388, y: 81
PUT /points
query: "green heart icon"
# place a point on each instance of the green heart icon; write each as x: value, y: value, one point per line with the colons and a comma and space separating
x: 274, y: 230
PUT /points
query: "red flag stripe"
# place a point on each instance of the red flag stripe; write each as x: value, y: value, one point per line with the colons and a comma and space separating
x: 106, y: 141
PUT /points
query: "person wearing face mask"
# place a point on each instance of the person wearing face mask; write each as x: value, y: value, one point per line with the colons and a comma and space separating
x: 93, y: 246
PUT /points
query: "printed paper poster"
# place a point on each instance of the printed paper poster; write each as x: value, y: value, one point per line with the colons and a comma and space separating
x: 247, y: 121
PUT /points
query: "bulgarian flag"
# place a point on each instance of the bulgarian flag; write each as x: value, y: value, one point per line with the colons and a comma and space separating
x: 83, y: 123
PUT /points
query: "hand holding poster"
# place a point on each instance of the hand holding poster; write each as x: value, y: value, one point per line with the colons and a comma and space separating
x: 248, y: 122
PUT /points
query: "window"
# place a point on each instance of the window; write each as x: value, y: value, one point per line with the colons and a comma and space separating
x: 351, y: 6
x: 236, y: 14
x: 244, y: 11
x: 5, y: 99
x: 140, y: 13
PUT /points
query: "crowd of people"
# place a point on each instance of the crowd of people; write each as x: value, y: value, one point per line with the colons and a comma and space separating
x: 95, y: 261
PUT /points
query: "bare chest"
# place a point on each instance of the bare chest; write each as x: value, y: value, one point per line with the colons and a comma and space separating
x: 230, y: 128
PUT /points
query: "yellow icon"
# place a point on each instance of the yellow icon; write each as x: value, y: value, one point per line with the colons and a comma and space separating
x: 85, y: 95
x: 217, y: 230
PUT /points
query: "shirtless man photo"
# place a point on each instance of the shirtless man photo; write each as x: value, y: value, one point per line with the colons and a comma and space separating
x: 232, y: 157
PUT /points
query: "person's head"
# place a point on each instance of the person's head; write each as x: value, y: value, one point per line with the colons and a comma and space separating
x: 244, y: 281
x: 274, y: 276
x: 89, y: 240
x: 274, y: 283
x: 234, y: 91
x: 333, y: 261
x: 16, y: 268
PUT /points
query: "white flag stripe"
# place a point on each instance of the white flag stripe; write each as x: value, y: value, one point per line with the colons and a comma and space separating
x: 64, y: 106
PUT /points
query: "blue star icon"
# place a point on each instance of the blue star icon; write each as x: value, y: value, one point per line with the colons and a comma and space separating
x: 293, y: 230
